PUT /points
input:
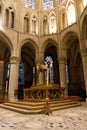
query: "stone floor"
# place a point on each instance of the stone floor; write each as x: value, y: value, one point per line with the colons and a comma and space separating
x: 67, y: 119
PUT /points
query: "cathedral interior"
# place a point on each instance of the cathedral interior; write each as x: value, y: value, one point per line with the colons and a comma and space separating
x: 43, y: 43
x: 43, y: 64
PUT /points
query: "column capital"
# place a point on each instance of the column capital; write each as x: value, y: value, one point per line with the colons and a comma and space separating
x: 15, y: 60
x: 83, y: 52
x: 62, y: 60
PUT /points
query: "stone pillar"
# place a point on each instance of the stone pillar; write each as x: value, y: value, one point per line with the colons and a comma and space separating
x: 84, y: 62
x: 62, y: 70
x: 13, y: 81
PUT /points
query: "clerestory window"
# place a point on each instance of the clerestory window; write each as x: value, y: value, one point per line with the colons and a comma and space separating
x: 47, y: 4
x: 30, y: 4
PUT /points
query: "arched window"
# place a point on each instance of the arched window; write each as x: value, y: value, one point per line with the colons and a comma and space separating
x: 52, y: 24
x: 7, y: 17
x: 71, y: 14
x: 34, y: 25
x: 45, y: 25
x: 47, y: 4
x: 49, y: 63
x: 26, y: 24
x: 30, y: 4
x: 12, y: 19
x: 63, y: 20
x: 85, y: 2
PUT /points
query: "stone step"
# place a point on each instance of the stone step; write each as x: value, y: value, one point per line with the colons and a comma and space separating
x: 33, y: 107
x: 19, y: 110
x: 37, y: 103
x: 62, y: 104
x: 37, y: 106
x: 64, y: 107
x: 23, y: 106
x: 27, y: 103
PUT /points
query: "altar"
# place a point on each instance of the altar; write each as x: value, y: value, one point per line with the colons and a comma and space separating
x: 44, y: 92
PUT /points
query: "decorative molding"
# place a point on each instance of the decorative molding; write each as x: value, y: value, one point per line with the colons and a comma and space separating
x: 15, y: 60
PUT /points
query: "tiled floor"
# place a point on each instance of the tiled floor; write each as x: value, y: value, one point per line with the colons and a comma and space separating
x: 67, y: 119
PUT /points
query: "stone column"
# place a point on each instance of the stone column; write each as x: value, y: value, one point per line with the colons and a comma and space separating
x: 84, y: 62
x: 13, y: 81
x: 62, y: 70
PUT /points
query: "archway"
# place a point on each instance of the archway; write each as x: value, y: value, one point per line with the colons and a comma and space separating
x: 5, y: 54
x: 27, y: 65
x: 51, y: 52
x: 76, y: 86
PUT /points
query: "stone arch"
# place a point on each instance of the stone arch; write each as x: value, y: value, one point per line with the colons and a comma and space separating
x: 45, y: 24
x: 71, y: 12
x: 63, y: 17
x: 26, y: 23
x: 49, y: 41
x: 4, y: 38
x: 34, y: 45
x: 74, y: 64
x: 65, y: 40
x: 50, y: 50
x: 10, y: 13
x: 6, y: 50
x: 52, y: 22
x: 52, y: 13
x: 29, y: 55
x: 34, y: 24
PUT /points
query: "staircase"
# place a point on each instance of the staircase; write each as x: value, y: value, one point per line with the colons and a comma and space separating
x: 39, y: 106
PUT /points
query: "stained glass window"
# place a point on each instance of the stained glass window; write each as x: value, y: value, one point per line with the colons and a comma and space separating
x: 30, y: 4
x: 47, y: 4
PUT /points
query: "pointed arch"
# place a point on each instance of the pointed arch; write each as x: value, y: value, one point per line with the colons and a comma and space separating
x: 26, y: 23
x: 34, y: 24
x: 52, y: 23
x: 71, y: 12
x: 45, y: 24
x: 63, y: 17
x: 53, y: 42
x: 4, y: 38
